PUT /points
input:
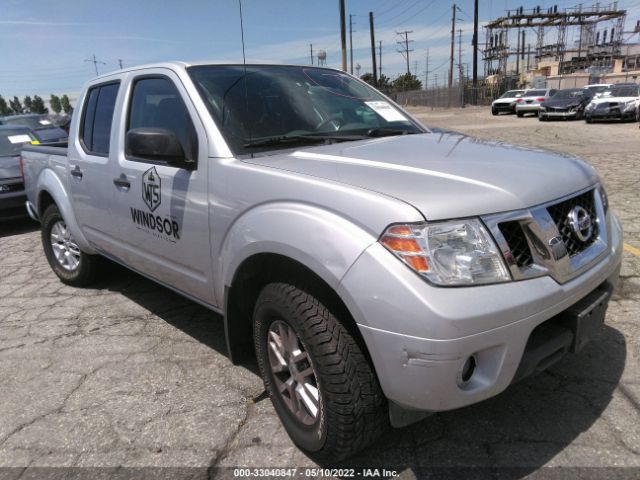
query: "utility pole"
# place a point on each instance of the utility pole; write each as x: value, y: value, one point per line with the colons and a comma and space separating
x: 460, y: 55
x: 120, y: 63
x: 343, y: 36
x: 453, y: 40
x: 426, y: 71
x: 351, y: 44
x: 373, y: 49
x: 518, y: 55
x: 95, y: 62
x: 311, y: 46
x: 380, y: 59
x: 460, y: 69
x: 475, y: 49
x: 405, y: 50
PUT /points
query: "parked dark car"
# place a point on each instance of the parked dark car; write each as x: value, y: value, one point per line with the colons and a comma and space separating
x: 567, y: 104
x: 12, y: 194
x: 40, y: 125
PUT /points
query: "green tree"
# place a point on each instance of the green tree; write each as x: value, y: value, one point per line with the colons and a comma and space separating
x: 54, y: 101
x: 406, y: 82
x: 367, y: 77
x: 384, y: 82
x: 66, y: 105
x: 37, y: 105
x: 28, y: 104
x: 16, y: 106
x: 4, y: 108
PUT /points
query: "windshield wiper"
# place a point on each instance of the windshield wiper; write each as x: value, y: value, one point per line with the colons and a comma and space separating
x: 388, y: 132
x: 284, y: 140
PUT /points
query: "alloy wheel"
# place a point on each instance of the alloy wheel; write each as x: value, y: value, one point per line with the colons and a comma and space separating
x: 65, y: 249
x: 292, y: 370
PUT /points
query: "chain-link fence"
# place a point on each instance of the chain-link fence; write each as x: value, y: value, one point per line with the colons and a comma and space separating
x: 456, y: 96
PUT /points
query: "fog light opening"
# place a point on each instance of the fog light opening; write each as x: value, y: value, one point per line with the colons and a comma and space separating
x: 468, y: 369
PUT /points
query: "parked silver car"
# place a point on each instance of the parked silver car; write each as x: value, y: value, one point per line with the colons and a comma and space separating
x: 531, y: 100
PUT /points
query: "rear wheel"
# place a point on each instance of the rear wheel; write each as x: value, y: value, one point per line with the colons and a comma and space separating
x: 68, y: 262
x: 520, y: 114
x: 320, y: 383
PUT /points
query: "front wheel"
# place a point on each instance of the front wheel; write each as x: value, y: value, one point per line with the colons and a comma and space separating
x: 494, y: 111
x: 68, y: 262
x: 321, y: 384
x: 520, y: 114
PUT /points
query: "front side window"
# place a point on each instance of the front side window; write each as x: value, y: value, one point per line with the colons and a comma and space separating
x: 98, y: 118
x: 156, y: 103
x: 266, y: 107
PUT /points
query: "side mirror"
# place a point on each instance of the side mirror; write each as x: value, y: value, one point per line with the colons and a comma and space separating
x: 157, y: 144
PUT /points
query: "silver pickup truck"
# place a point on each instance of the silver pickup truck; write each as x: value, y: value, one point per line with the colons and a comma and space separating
x: 378, y: 271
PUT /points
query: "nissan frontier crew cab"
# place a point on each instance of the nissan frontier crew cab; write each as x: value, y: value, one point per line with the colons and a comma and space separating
x: 377, y: 271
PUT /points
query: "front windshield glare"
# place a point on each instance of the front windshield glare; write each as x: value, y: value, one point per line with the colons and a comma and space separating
x: 286, y: 102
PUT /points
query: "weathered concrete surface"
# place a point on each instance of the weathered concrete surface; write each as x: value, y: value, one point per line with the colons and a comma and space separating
x: 128, y: 373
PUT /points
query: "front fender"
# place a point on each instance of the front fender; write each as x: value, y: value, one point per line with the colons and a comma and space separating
x: 49, y: 182
x: 323, y: 241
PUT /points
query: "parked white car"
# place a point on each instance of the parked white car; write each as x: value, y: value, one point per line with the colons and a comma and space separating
x: 620, y: 102
x: 507, y: 102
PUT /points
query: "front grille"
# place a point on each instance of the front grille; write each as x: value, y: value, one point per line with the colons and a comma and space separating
x: 560, y: 215
x: 10, y: 188
x: 515, y: 238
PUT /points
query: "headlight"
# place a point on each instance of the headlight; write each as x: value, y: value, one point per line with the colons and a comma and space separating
x: 459, y: 252
x: 627, y: 106
x: 591, y: 106
x: 603, y: 197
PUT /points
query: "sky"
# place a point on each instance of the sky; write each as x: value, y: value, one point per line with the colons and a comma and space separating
x: 46, y: 45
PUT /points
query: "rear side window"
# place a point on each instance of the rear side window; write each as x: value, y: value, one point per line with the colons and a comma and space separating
x: 98, y: 118
x: 156, y: 103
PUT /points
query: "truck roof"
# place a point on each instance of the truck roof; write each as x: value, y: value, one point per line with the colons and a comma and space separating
x: 182, y: 64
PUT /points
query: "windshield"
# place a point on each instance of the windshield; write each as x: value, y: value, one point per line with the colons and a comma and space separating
x: 12, y: 140
x: 597, y: 88
x: 626, y: 91
x: 577, y: 94
x: 272, y: 105
x: 512, y: 94
x: 34, y: 122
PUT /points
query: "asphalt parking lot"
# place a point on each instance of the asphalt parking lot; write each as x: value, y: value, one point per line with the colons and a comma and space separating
x: 130, y: 374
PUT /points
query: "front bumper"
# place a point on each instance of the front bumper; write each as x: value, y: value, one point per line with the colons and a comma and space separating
x: 611, y: 114
x: 419, y: 336
x: 503, y: 107
x: 556, y: 114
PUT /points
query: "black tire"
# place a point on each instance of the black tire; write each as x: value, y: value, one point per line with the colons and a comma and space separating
x: 352, y: 411
x: 588, y: 119
x: 85, y: 271
x: 542, y: 118
x: 520, y: 114
x: 494, y: 111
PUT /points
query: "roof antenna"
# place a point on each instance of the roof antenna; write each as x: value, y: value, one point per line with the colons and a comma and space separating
x: 244, y: 64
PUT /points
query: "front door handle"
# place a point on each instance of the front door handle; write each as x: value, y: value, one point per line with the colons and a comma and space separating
x: 122, y: 182
x: 76, y: 172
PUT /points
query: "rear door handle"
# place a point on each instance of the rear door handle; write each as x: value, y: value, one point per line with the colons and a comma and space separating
x: 76, y: 172
x: 122, y: 182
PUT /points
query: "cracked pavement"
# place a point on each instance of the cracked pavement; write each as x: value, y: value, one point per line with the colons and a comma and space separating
x: 131, y: 374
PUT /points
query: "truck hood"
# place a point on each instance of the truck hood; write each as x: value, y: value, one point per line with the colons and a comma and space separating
x: 444, y: 175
